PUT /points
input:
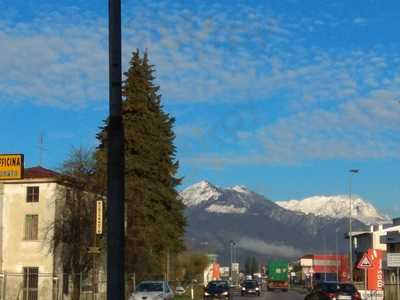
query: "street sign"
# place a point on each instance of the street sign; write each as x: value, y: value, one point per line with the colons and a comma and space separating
x: 365, y: 262
x: 235, y: 267
x: 94, y: 250
x: 11, y: 166
x: 393, y: 260
x: 99, y: 217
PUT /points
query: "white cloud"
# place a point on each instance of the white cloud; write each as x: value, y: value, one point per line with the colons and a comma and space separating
x: 359, y: 20
x: 338, y: 102
x: 365, y: 128
x: 219, y: 54
x: 269, y: 249
x: 52, y: 65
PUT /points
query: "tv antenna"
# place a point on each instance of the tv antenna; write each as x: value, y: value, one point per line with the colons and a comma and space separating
x: 41, y: 148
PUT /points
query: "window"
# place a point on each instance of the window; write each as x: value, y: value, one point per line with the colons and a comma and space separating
x: 31, y: 280
x: 31, y: 227
x: 32, y: 194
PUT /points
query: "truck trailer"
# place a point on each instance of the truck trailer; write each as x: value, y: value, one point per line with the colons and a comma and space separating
x: 278, y: 275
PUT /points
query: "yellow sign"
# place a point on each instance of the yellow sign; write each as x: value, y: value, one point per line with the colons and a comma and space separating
x: 11, y: 166
x: 99, y: 217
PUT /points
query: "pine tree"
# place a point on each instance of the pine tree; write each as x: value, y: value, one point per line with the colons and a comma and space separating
x: 155, y: 221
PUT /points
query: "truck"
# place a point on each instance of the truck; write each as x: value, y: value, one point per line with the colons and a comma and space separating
x: 278, y: 275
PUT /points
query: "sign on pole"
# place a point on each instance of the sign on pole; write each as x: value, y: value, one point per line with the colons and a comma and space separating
x: 11, y: 166
x: 99, y: 217
x: 235, y: 267
x: 365, y: 262
x: 93, y: 250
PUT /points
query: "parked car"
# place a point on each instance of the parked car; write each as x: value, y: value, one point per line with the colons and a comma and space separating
x: 218, y: 289
x: 334, y: 291
x: 251, y: 287
x: 152, y: 290
x: 179, y: 290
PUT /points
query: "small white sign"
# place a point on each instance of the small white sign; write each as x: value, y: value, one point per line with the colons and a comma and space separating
x: 393, y: 260
x: 235, y: 267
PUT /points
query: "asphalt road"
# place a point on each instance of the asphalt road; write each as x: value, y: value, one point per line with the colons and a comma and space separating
x: 272, y: 296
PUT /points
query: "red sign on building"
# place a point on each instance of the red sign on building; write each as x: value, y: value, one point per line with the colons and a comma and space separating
x: 375, y: 273
x: 332, y: 264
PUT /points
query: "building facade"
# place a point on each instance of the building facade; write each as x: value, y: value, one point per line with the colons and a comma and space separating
x: 28, y: 208
x: 392, y: 241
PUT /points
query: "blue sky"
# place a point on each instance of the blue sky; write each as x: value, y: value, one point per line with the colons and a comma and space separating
x: 282, y: 96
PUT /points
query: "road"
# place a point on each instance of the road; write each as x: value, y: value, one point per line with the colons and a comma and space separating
x: 272, y: 296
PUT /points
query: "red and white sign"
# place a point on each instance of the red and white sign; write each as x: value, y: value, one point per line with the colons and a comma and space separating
x: 375, y: 274
x: 365, y: 262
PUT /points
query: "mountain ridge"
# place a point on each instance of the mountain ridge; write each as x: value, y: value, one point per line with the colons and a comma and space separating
x: 334, y: 206
x: 337, y: 206
x: 260, y: 227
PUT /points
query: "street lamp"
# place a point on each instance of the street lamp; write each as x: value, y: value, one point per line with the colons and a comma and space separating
x: 351, y: 171
x: 231, y: 245
x: 337, y: 255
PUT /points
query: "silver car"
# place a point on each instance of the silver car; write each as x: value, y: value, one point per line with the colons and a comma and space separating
x: 152, y: 290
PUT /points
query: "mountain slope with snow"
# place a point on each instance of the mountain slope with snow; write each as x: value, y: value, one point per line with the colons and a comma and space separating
x: 336, y: 207
x: 199, y: 193
x: 217, y: 215
x: 235, y: 200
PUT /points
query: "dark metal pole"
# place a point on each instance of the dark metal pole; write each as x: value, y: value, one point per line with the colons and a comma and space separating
x: 115, y: 162
x: 352, y: 171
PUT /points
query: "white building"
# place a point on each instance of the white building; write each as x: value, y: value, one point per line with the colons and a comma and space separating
x: 372, y: 238
x: 27, y: 208
x: 392, y: 241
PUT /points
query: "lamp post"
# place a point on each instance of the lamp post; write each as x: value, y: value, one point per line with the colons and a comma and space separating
x: 231, y: 245
x: 337, y: 255
x: 351, y: 171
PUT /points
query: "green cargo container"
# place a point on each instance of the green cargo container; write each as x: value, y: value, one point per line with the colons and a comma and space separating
x: 278, y: 275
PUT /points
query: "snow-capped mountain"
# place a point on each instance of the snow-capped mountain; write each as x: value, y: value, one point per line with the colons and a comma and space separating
x: 216, y: 215
x: 337, y: 207
x: 234, y: 200
x: 199, y: 193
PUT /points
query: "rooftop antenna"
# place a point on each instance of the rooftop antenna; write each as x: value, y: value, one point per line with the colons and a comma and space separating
x: 41, y: 148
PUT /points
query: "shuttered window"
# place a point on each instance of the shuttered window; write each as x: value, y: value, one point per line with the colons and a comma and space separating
x: 31, y: 227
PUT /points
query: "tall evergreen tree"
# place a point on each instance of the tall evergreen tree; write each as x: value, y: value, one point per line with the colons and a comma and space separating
x: 154, y: 214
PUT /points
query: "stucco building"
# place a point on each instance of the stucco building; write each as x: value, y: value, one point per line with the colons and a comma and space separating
x: 28, y: 208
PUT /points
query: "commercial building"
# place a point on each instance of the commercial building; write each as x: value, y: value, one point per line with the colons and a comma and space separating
x: 381, y: 237
x: 392, y: 242
x: 319, y: 267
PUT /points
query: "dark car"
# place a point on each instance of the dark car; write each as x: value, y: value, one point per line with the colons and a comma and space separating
x: 334, y: 291
x: 251, y: 287
x: 218, y: 289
